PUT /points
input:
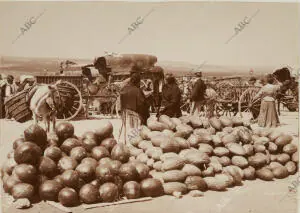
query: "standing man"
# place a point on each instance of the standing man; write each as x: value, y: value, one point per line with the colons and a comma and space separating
x: 197, y: 95
x: 171, y: 97
x: 133, y: 98
x: 9, y: 89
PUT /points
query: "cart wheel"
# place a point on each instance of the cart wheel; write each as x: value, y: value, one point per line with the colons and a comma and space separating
x: 70, y: 103
x: 226, y: 109
x: 249, y: 108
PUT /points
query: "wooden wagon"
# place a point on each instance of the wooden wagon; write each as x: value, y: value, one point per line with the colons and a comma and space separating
x: 233, y: 98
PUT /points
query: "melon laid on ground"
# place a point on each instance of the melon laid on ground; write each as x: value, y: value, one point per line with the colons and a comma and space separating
x: 264, y: 174
x: 172, y: 187
x: 152, y: 187
x: 195, y: 183
x: 215, y: 184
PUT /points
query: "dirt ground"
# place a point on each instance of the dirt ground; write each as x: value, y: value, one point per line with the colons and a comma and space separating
x: 253, y: 197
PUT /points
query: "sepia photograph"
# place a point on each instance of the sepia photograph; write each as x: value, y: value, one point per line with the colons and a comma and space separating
x: 149, y: 106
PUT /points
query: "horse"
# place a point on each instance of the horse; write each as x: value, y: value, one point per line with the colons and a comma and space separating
x: 43, y: 104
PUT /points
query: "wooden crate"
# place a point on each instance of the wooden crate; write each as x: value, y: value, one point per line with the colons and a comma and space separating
x: 17, y: 107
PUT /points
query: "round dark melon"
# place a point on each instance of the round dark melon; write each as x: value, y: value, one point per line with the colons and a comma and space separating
x: 69, y: 144
x: 99, y: 152
x: 109, y: 143
x: 104, y: 130
x: 89, y: 194
x: 26, y: 173
x: 121, y: 153
x: 132, y: 190
x: 68, y: 197
x: 49, y: 190
x: 66, y: 163
x: 18, y: 142
x: 36, y: 134
x: 86, y: 171
x: 64, y: 130
x: 28, y: 153
x: 22, y: 190
x: 78, y: 153
x: 152, y: 187
x: 128, y: 172
x: 104, y: 173
x: 70, y: 178
x: 53, y: 153
x: 109, y: 192
x: 47, y: 167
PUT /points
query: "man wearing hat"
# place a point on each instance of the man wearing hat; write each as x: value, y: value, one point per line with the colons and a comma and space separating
x: 171, y: 96
x: 197, y: 96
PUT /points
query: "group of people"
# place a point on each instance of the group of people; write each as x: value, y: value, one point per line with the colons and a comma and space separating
x: 202, y: 95
x: 136, y: 99
x: 9, y: 86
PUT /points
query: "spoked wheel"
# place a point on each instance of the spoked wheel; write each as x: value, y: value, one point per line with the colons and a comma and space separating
x: 228, y: 109
x: 225, y: 91
x: 248, y: 107
x: 70, y: 102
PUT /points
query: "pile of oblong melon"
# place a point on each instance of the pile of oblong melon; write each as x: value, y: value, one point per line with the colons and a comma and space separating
x: 192, y: 154
x: 72, y: 170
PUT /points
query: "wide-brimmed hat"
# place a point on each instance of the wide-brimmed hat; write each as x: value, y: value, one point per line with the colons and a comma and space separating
x: 198, y: 74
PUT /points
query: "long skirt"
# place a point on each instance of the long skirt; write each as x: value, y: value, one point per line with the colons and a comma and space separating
x: 268, y: 115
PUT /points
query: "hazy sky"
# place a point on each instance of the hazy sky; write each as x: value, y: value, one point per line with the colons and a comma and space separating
x: 192, y: 32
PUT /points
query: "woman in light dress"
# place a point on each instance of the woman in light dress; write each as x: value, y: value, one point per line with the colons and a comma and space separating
x: 268, y: 116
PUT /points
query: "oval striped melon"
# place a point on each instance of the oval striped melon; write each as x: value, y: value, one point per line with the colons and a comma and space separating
x: 249, y: 150
x: 249, y: 173
x: 291, y: 167
x: 172, y: 164
x: 221, y: 151
x: 280, y: 172
x: 215, y: 184
x: 283, y: 140
x: 171, y: 187
x: 183, y: 143
x: 236, y: 149
x: 167, y: 155
x: 283, y: 158
x: 264, y: 174
x: 191, y: 170
x: 208, y: 172
x: 290, y: 148
x: 174, y: 176
x: 195, y: 183
x: 239, y: 161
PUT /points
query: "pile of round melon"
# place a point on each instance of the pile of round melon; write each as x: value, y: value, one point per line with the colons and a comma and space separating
x: 63, y: 167
x: 192, y: 154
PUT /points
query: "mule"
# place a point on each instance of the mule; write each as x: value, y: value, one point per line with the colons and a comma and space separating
x: 42, y: 105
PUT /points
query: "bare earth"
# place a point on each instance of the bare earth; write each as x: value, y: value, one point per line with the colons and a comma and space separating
x: 253, y: 197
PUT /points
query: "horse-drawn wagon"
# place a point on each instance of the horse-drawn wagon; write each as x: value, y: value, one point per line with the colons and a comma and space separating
x: 77, y: 90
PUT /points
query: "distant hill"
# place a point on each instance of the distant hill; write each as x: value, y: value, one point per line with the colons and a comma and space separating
x: 34, y: 66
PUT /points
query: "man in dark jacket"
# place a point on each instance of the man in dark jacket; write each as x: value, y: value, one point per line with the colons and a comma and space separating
x: 171, y: 96
x: 197, y: 96
x: 133, y: 98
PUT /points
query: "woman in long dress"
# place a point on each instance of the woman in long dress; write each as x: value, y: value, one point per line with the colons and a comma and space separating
x: 268, y: 116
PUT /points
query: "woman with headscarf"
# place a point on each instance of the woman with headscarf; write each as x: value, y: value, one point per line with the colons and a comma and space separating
x: 268, y: 116
x: 171, y: 96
